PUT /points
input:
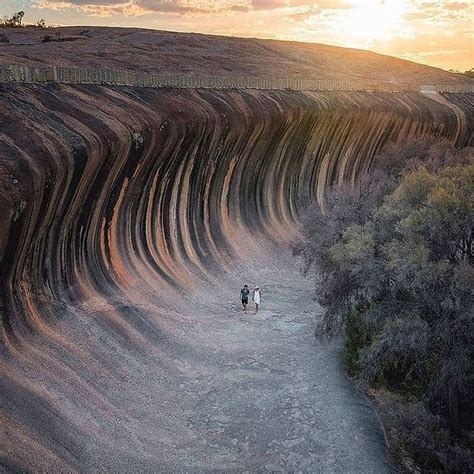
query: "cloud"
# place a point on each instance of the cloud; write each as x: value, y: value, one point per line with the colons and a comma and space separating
x: 444, y: 50
x: 457, y: 6
x: 140, y: 7
x: 186, y: 7
x: 267, y: 4
x: 439, y: 15
x: 95, y: 8
x: 438, y: 32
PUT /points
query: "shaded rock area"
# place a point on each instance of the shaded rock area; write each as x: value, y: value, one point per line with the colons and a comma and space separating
x: 130, y: 218
x: 237, y: 392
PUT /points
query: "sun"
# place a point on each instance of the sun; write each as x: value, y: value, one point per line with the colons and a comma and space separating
x: 370, y: 20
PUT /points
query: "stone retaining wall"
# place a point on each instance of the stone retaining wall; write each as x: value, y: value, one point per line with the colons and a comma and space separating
x: 68, y: 75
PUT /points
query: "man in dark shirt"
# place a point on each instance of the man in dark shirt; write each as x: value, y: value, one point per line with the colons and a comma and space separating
x: 244, y: 297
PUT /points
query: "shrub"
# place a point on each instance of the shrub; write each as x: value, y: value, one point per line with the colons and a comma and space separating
x: 393, y: 262
x: 16, y: 21
x: 358, y: 337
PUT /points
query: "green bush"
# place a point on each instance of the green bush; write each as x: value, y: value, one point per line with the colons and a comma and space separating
x: 357, y: 340
x: 393, y: 261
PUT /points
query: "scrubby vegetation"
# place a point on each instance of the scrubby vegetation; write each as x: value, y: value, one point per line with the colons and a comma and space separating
x: 468, y: 73
x: 393, y: 259
x: 16, y: 21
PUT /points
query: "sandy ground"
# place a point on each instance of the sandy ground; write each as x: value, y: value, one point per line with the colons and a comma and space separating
x: 265, y: 395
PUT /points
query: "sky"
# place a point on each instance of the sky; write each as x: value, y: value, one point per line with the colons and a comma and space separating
x: 438, y: 33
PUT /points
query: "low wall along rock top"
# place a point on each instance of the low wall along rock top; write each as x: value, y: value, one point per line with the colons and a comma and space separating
x: 69, y: 75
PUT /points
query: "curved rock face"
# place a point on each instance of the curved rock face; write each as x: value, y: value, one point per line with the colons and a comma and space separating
x: 117, y: 207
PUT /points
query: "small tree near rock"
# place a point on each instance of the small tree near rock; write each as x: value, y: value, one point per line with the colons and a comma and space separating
x: 15, y: 21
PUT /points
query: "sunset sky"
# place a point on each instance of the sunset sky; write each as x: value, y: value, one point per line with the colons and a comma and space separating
x: 439, y: 33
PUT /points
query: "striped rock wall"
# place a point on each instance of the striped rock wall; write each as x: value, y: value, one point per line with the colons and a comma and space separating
x: 116, y: 205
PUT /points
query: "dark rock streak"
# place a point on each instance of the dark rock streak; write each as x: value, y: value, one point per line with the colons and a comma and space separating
x: 125, y: 214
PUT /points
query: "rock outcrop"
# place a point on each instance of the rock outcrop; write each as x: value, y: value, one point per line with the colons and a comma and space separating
x: 118, y: 204
x: 96, y: 179
x: 163, y: 52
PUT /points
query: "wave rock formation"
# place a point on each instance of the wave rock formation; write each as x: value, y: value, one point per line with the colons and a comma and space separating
x: 120, y: 208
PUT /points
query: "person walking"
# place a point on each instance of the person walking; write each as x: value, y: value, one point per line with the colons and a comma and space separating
x: 244, y: 297
x: 256, y: 298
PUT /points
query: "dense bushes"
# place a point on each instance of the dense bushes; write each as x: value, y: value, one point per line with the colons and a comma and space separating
x: 393, y: 259
x: 420, y: 440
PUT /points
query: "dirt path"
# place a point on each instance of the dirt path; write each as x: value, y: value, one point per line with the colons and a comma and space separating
x: 267, y: 396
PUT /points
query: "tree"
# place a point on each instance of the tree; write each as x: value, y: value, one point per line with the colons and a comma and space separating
x: 15, y: 21
x: 428, y: 259
x: 345, y: 206
x: 393, y: 262
x: 17, y: 18
x: 409, y: 266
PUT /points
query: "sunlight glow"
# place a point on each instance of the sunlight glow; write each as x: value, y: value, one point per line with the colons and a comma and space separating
x: 370, y: 20
x: 435, y: 32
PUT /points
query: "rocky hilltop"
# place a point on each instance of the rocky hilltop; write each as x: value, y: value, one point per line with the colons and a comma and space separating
x: 129, y: 217
x: 177, y: 53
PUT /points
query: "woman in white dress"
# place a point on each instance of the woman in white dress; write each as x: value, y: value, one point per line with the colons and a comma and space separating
x: 256, y: 297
